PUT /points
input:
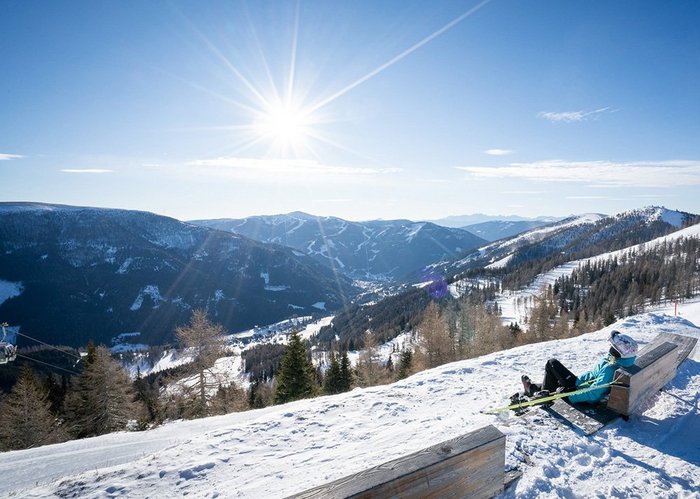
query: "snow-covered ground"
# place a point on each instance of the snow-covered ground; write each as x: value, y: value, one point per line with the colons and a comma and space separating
x: 281, y: 450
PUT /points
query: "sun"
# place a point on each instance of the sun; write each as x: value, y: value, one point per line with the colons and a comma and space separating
x: 285, y: 125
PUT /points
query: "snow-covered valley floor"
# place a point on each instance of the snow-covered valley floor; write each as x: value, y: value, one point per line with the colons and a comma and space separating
x: 281, y: 450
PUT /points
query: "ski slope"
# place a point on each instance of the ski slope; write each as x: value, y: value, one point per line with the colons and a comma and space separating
x: 281, y: 450
x: 515, y: 305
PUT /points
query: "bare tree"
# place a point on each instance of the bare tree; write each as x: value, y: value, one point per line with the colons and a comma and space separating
x: 205, y: 340
x: 370, y: 369
x: 439, y: 344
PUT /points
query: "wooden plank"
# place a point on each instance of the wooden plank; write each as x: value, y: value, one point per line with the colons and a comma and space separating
x: 649, y: 357
x: 652, y: 378
x: 685, y: 345
x: 471, y: 465
x: 511, y: 477
x: 586, y: 418
x: 619, y: 399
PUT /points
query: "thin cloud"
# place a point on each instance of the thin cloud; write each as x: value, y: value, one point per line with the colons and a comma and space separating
x: 523, y: 193
x: 7, y: 157
x: 86, y: 170
x: 573, y: 116
x: 577, y: 198
x: 498, y: 152
x: 433, y: 180
x: 265, y: 168
x: 600, y: 173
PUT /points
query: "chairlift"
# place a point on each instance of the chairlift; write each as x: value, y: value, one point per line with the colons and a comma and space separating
x: 8, y: 351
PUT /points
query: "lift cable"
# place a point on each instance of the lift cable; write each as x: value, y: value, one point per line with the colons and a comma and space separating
x: 51, y: 346
x: 47, y: 364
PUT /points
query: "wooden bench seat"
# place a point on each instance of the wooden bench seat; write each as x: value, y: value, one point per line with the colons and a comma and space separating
x: 655, y: 366
x: 471, y: 465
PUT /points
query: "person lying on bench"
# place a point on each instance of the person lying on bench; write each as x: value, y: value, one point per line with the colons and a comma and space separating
x: 558, y: 379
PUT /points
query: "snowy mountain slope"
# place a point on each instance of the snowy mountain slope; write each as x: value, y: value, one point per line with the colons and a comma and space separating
x: 373, y: 250
x: 514, y: 304
x: 575, y: 237
x: 478, y: 218
x: 509, y: 245
x: 69, y: 274
x: 280, y: 450
x: 501, y: 229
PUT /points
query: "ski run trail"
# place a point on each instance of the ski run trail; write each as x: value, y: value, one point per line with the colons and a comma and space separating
x: 281, y: 450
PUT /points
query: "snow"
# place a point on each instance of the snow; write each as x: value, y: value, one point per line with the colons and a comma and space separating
x: 153, y: 292
x: 225, y: 372
x: 413, y: 232
x: 282, y: 450
x: 124, y: 267
x: 672, y: 217
x: 311, y: 330
x: 499, y: 264
x: 121, y: 343
x: 9, y: 290
x: 269, y: 287
x: 515, y: 305
x: 169, y: 359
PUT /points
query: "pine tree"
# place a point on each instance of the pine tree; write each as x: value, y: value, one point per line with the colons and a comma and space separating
x: 346, y: 380
x: 405, y: 365
x: 103, y: 401
x: 332, y: 381
x: 295, y: 379
x: 25, y: 416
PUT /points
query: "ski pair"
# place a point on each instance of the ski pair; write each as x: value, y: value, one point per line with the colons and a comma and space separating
x: 549, y: 398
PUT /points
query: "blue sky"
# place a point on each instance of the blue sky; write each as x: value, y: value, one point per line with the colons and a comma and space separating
x: 362, y: 110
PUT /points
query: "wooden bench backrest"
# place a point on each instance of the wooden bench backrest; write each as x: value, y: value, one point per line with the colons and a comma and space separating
x: 685, y: 344
x: 650, y: 372
x: 468, y: 466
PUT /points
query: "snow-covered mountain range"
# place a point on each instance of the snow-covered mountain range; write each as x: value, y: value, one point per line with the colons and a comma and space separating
x: 69, y: 274
x: 577, y: 236
x: 375, y: 250
x: 281, y: 450
x: 462, y: 221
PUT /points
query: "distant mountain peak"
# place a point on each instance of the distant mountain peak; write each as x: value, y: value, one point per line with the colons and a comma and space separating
x: 457, y: 221
x: 374, y: 250
x: 654, y: 213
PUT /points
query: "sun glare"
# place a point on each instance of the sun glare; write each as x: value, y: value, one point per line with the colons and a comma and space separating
x: 285, y: 125
x: 276, y: 116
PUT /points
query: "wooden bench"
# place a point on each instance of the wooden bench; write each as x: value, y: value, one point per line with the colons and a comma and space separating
x: 468, y: 466
x: 655, y: 366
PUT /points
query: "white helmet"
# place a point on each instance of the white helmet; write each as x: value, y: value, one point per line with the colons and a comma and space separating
x: 624, y: 346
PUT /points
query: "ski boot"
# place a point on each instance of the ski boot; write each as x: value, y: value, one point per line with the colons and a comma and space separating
x: 542, y: 394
